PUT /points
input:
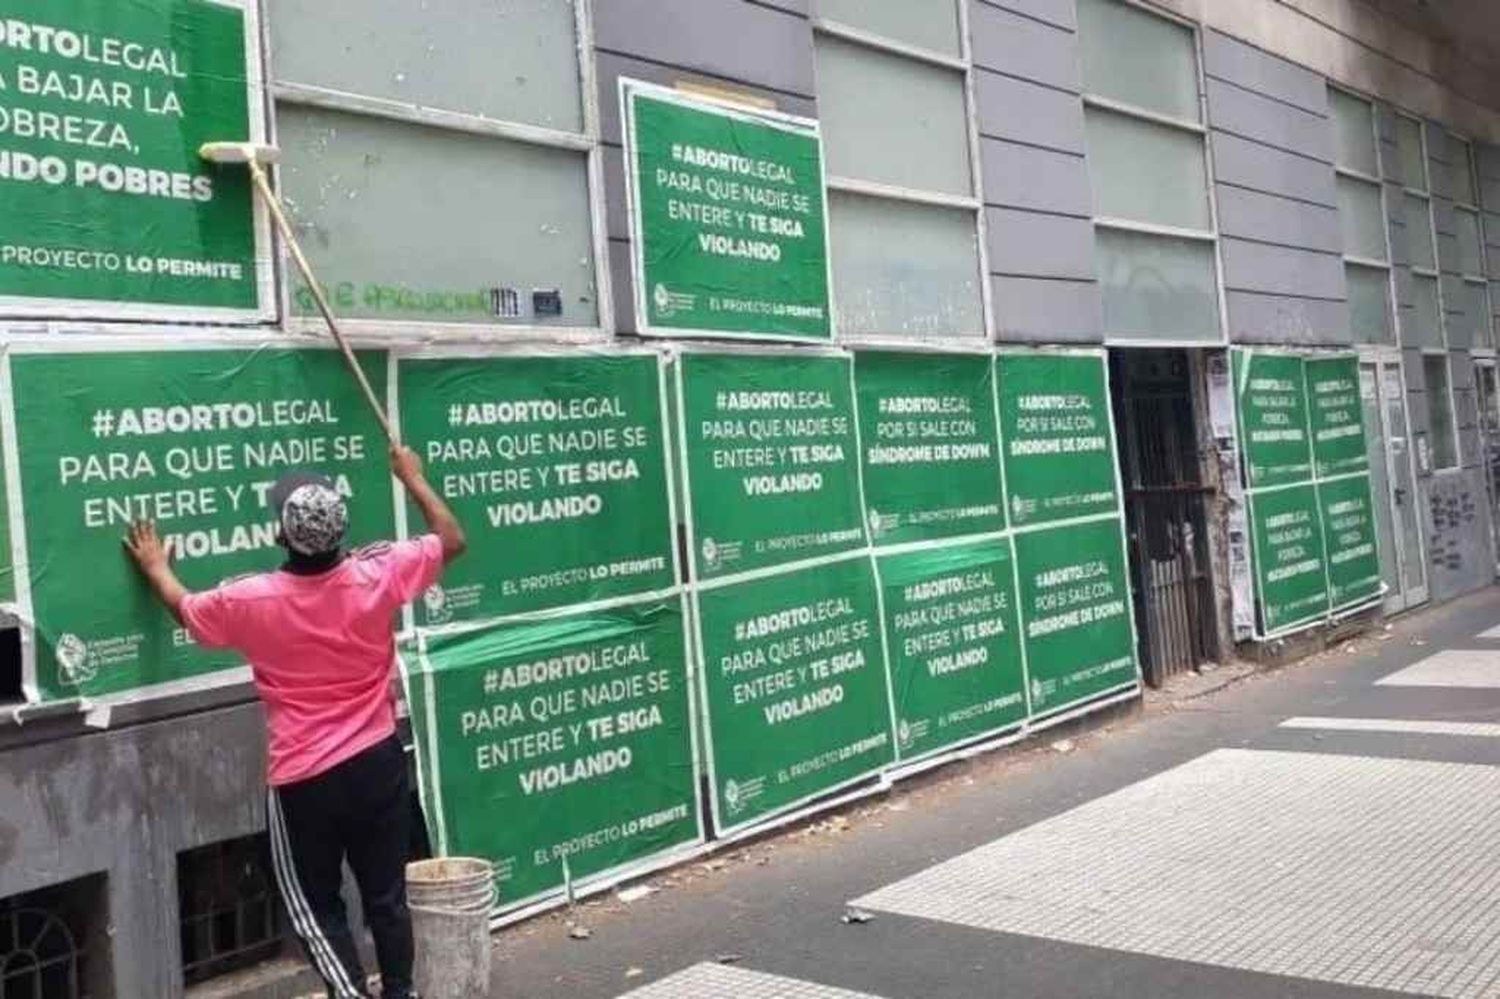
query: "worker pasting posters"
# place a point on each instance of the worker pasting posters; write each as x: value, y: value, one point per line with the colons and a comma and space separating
x: 929, y: 448
x: 556, y: 465
x: 108, y: 209
x: 193, y: 439
x: 954, y: 643
x: 1059, y: 446
x: 559, y: 748
x: 795, y: 687
x: 770, y: 458
x: 728, y: 224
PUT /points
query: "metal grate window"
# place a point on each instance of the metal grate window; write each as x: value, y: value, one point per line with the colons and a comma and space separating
x: 44, y: 941
x: 228, y: 908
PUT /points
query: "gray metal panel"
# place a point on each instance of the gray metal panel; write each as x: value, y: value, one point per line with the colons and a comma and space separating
x: 1020, y: 46
x: 1461, y: 364
x: 791, y: 6
x: 1459, y: 545
x: 1442, y: 216
x: 1404, y: 296
x: 1447, y: 249
x: 1282, y: 319
x: 1252, y: 116
x: 1261, y: 168
x: 1487, y: 163
x: 1029, y: 112
x: 1266, y: 217
x: 1281, y: 270
x: 1254, y: 318
x: 611, y: 67
x: 1063, y: 13
x: 1027, y: 177
x: 1033, y: 245
x: 1032, y: 310
x: 1439, y: 156
x: 622, y: 283
x: 1416, y: 380
x: 759, y: 46
x: 1385, y: 125
x: 1232, y: 60
x: 616, y: 214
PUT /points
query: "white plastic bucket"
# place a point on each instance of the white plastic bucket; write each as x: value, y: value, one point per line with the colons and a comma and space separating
x: 450, y: 900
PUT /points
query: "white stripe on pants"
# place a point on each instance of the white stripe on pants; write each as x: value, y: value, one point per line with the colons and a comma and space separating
x: 303, y: 921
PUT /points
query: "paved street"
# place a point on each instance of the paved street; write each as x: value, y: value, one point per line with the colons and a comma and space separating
x: 1330, y: 830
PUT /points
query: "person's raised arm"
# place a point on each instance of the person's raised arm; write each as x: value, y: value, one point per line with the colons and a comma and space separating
x: 150, y: 555
x: 407, y: 468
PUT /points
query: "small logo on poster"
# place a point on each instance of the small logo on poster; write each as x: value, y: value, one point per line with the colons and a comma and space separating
x: 668, y: 302
x: 732, y: 795
x: 711, y: 553
x: 435, y: 601
x: 72, y: 655
x: 904, y: 733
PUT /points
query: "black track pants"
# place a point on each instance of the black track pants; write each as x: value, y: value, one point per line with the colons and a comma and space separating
x: 358, y: 811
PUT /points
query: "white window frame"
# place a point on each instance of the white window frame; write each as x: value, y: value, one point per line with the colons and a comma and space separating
x: 587, y: 142
x: 963, y: 64
x: 1435, y: 272
x: 1473, y: 209
x: 1199, y: 128
x: 1393, y: 307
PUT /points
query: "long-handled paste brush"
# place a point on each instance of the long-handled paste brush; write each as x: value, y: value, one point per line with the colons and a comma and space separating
x: 255, y: 157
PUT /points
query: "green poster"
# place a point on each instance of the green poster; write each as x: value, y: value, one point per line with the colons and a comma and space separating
x: 106, y: 200
x: 955, y: 652
x: 1059, y: 450
x: 555, y: 465
x: 1290, y: 565
x: 929, y: 450
x: 192, y: 439
x: 727, y: 220
x: 772, y: 465
x: 1271, y: 404
x: 795, y: 687
x: 1075, y: 612
x: 567, y: 737
x: 1348, y: 519
x: 1336, y: 415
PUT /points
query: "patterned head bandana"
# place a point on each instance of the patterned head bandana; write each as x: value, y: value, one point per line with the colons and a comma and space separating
x: 313, y: 515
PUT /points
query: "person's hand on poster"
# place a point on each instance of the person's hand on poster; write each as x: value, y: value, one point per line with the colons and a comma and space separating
x: 153, y: 559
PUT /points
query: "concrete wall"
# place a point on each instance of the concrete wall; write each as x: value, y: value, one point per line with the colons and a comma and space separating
x: 1036, y: 182
x: 1354, y: 43
x: 1272, y: 145
x: 124, y: 803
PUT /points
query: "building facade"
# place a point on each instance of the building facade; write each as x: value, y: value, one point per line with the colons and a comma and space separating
x: 1164, y: 181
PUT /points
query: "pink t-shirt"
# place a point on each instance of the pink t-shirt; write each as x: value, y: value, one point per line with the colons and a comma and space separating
x: 321, y: 648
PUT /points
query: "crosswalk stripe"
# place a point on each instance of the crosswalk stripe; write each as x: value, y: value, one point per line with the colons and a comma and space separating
x: 1485, y: 730
x: 1449, y: 668
x: 720, y: 981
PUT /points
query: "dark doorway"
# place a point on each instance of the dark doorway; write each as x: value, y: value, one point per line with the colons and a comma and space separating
x: 1155, y: 395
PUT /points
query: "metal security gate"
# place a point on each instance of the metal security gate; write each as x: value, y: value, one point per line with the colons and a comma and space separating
x: 1165, y: 509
